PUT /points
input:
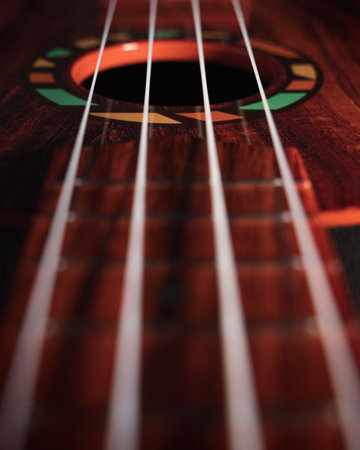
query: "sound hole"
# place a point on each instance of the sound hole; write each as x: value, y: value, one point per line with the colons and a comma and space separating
x: 175, y: 83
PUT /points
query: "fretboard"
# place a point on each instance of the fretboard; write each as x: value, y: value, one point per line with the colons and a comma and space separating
x: 183, y: 401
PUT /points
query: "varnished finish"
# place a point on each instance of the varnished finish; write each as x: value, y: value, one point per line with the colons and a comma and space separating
x: 182, y: 378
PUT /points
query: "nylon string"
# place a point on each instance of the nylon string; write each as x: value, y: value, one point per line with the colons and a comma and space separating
x: 243, y: 419
x: 16, y: 405
x: 340, y: 360
x: 123, y: 426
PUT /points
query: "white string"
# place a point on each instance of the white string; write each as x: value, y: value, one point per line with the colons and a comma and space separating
x: 19, y: 389
x: 123, y: 426
x: 243, y: 417
x: 342, y: 367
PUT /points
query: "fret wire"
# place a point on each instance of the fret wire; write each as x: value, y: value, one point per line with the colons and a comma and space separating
x: 243, y: 417
x: 340, y: 359
x: 16, y: 405
x: 123, y: 425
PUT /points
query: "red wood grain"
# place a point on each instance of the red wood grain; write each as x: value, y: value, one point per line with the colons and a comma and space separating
x: 182, y: 373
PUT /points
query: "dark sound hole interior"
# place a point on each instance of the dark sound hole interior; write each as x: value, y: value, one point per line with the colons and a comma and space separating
x: 174, y: 83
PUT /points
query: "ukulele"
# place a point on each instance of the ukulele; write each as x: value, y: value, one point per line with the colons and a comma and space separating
x: 179, y: 225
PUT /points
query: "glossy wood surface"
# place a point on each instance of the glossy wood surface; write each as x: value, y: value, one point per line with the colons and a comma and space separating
x: 182, y: 372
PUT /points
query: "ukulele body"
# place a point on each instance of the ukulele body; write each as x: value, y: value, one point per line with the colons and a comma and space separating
x: 309, y: 59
